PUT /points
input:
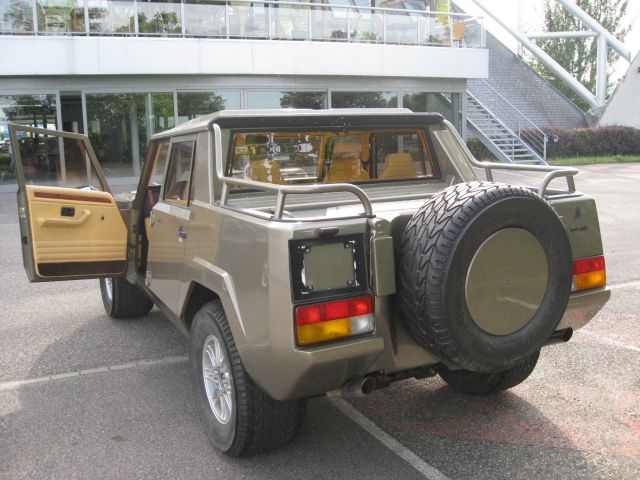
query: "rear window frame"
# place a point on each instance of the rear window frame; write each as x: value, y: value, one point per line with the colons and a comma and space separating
x: 425, y: 135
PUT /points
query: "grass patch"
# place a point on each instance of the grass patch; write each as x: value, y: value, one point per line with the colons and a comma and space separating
x: 593, y: 160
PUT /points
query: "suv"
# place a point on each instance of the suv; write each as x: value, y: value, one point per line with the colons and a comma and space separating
x: 314, y: 252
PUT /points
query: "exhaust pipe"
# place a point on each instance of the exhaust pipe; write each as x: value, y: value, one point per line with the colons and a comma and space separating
x: 560, y: 336
x: 357, y: 388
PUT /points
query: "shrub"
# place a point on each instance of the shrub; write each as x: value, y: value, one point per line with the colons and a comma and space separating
x: 479, y: 151
x: 601, y: 141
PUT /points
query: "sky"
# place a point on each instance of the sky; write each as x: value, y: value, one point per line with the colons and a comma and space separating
x: 507, y: 11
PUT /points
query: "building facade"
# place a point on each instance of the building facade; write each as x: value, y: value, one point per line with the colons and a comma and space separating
x: 121, y: 70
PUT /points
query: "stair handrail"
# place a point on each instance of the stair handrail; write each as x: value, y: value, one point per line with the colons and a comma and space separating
x: 504, y: 125
x: 537, y: 142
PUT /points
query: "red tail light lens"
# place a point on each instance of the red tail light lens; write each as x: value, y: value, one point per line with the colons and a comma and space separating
x: 589, y: 273
x: 321, y: 322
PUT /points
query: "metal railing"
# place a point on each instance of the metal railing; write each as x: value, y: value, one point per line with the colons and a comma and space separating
x: 502, y: 109
x: 552, y: 173
x: 243, y: 19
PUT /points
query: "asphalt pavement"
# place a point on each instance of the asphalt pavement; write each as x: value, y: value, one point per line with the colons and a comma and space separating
x: 86, y: 396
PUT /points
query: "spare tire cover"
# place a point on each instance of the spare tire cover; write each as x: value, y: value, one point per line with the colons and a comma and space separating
x: 484, y: 275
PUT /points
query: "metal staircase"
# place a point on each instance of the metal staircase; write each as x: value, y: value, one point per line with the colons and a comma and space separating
x: 504, y: 130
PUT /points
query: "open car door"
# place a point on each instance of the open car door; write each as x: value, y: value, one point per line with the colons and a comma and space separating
x: 70, y: 225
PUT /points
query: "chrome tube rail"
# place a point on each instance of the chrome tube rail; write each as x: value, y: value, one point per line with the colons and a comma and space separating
x: 246, y: 19
x: 284, y: 190
x: 552, y: 173
x: 505, y: 111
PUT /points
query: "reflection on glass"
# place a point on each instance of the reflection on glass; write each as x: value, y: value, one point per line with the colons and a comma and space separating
x: 194, y: 104
x: 56, y: 162
x: 61, y: 16
x: 160, y: 112
x: 31, y: 110
x: 247, y: 21
x: 287, y: 99
x: 159, y: 17
x: 16, y: 16
x: 447, y: 104
x: 328, y: 23
x: 368, y: 26
x: 204, y: 18
x: 402, y: 28
x: 290, y: 22
x: 364, y: 99
x: 111, y: 16
x: 120, y: 125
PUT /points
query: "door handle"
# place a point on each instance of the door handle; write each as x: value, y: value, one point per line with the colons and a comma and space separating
x: 181, y: 234
x: 64, y: 222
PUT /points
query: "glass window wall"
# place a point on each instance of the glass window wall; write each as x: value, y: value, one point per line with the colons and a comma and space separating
x: 448, y: 104
x: 61, y: 16
x: 194, y: 104
x: 120, y: 125
x: 111, y: 17
x: 248, y: 20
x: 290, y: 22
x: 364, y: 99
x: 287, y: 99
x: 31, y: 110
x: 16, y: 16
x: 204, y: 18
x: 159, y: 17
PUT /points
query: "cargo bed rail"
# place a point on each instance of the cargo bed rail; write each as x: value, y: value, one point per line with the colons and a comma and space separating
x: 551, y: 172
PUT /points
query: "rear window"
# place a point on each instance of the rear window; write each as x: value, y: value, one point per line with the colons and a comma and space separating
x: 290, y: 157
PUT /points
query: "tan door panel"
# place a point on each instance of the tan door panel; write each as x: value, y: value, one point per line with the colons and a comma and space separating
x: 75, y: 232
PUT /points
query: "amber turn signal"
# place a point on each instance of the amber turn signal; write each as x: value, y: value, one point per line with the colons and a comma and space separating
x: 589, y: 273
x: 322, y: 322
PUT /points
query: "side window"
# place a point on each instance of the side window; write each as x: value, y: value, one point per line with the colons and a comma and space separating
x: 56, y: 161
x: 161, y: 155
x: 176, y: 187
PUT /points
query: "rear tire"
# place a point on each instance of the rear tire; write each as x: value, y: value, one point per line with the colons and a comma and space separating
x: 477, y: 383
x: 238, y: 416
x: 122, y: 299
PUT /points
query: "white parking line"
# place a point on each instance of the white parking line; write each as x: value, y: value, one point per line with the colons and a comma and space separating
x: 429, y: 472
x: 14, y: 385
x: 617, y: 286
x: 608, y: 340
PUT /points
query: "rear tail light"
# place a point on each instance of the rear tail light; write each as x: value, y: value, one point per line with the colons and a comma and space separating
x: 333, y: 320
x: 589, y: 272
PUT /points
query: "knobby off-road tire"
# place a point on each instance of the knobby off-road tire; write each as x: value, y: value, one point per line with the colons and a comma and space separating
x: 438, y: 248
x: 255, y: 422
x: 122, y: 299
x: 479, y: 383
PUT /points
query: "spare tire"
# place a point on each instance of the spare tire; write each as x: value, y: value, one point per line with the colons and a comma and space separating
x: 484, y: 275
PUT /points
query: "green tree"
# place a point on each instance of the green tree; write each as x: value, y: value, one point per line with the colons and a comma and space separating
x: 363, y: 100
x: 194, y: 104
x: 313, y: 100
x: 578, y: 55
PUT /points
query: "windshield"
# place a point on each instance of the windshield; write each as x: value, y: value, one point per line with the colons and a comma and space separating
x: 324, y: 156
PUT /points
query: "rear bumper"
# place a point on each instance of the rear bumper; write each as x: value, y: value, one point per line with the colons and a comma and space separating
x: 583, y: 306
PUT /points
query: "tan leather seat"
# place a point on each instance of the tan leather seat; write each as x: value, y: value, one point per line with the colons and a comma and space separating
x: 345, y: 170
x: 398, y: 165
x: 267, y: 171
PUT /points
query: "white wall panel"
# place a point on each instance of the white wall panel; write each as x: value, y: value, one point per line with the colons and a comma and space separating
x: 166, y: 56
